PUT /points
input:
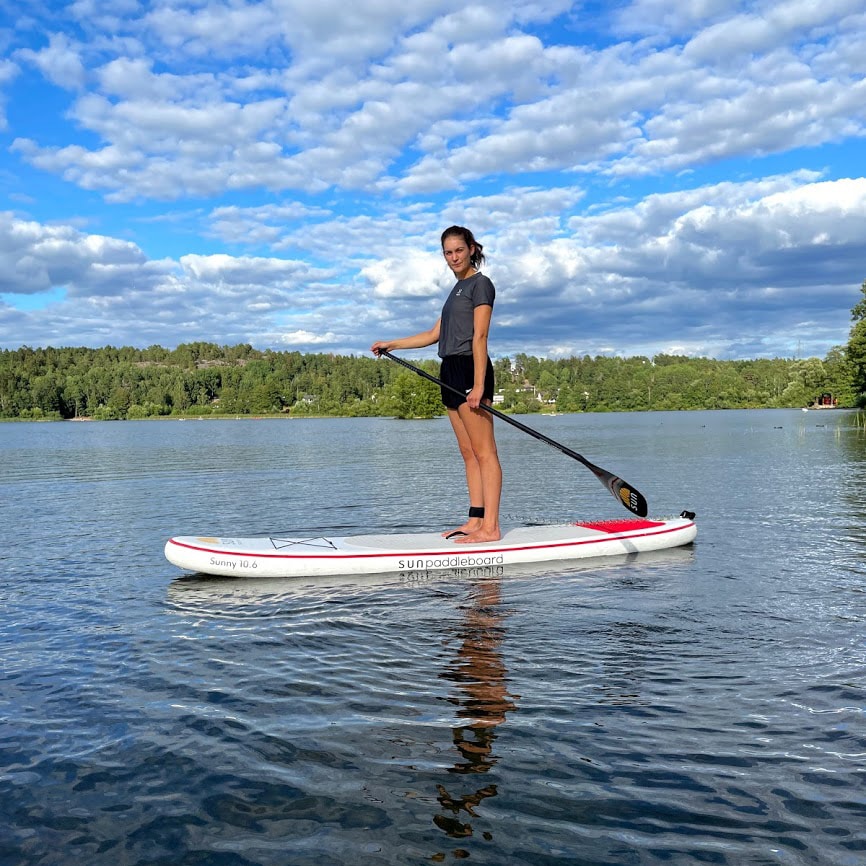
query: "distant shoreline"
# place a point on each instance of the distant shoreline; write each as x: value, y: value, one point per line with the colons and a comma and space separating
x: 287, y: 417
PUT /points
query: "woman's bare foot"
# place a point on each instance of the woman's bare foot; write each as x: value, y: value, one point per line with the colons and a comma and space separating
x: 471, y: 525
x: 479, y: 536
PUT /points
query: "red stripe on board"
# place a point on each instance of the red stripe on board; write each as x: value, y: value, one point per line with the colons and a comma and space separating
x: 624, y: 525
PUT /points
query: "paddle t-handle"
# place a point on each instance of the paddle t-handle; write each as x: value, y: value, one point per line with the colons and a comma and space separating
x: 627, y: 495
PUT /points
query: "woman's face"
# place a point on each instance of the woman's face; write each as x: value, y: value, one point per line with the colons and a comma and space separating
x: 458, y: 254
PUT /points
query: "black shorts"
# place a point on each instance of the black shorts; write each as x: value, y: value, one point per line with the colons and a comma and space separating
x: 458, y: 371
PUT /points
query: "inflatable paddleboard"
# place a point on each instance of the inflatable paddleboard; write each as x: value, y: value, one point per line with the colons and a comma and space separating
x: 308, y: 556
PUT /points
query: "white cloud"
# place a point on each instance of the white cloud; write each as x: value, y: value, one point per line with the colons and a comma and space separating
x: 305, y: 339
x: 664, y: 17
x: 245, y: 271
x: 406, y: 276
x: 60, y: 61
x: 262, y: 225
x: 757, y: 32
x: 36, y: 258
x: 8, y: 72
x: 216, y: 28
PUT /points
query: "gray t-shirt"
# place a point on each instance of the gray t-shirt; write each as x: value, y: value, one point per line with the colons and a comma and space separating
x: 458, y: 314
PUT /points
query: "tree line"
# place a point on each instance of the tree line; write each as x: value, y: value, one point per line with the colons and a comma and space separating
x: 206, y: 379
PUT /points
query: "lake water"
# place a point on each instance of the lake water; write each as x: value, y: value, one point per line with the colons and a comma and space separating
x: 704, y: 705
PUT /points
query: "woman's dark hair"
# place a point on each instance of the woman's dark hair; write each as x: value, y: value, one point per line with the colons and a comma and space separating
x: 469, y: 239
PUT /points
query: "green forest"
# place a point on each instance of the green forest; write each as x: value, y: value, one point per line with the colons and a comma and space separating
x: 203, y: 379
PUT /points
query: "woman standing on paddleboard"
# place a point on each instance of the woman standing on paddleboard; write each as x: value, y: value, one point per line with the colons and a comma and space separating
x: 461, y: 332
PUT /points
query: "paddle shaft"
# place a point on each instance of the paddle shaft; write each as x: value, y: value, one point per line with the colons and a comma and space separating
x: 625, y: 493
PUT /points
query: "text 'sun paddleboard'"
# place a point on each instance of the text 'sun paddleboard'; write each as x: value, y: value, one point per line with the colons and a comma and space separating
x: 307, y: 556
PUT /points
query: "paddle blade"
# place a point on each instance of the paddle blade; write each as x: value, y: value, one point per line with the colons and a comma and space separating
x: 631, y: 498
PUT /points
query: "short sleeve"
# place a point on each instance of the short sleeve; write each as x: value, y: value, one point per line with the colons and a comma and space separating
x: 483, y: 292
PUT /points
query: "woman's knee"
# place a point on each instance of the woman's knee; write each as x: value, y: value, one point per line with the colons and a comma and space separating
x: 467, y: 452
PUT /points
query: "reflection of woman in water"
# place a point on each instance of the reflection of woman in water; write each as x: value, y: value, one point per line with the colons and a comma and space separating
x: 480, y: 675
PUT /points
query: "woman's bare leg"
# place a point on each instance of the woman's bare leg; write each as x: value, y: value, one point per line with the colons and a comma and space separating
x: 473, y: 472
x: 485, y: 470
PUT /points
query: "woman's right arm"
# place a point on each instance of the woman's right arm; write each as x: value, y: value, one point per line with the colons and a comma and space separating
x: 416, y: 341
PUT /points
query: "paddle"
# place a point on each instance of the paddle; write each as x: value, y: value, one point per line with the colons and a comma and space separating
x: 622, y: 491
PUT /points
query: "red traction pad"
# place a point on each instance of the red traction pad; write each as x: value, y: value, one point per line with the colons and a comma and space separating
x: 619, y: 525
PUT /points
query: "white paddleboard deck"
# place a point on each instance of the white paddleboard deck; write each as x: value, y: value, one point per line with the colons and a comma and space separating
x: 308, y: 556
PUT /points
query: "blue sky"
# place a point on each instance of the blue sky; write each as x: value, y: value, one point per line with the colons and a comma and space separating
x: 645, y: 177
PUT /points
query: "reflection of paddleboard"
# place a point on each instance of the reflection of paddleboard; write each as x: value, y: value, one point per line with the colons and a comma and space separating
x: 304, y: 556
x: 208, y: 595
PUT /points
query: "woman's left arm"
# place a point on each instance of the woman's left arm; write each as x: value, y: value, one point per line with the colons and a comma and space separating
x: 481, y: 328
